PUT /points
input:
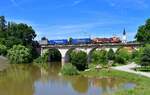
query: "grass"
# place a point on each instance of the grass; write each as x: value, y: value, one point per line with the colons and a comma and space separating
x: 143, y: 69
x: 142, y: 83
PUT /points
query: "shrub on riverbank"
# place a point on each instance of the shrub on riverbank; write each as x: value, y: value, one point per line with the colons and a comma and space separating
x: 122, y: 56
x: 42, y: 59
x: 99, y: 57
x: 145, y: 57
x: 79, y: 60
x: 3, y: 50
x: 19, y: 54
x: 111, y: 54
x: 69, y: 69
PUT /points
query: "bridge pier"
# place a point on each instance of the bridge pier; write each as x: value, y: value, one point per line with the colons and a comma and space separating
x: 63, y: 52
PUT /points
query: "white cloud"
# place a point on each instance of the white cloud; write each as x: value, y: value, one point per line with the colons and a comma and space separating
x: 70, y: 30
x: 136, y: 4
x: 76, y: 2
x: 14, y: 3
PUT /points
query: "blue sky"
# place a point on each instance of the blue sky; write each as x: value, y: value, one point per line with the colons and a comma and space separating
x: 59, y: 19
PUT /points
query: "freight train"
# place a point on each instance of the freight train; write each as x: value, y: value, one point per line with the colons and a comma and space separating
x: 84, y: 41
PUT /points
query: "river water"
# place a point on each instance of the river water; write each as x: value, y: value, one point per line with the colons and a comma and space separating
x: 31, y: 80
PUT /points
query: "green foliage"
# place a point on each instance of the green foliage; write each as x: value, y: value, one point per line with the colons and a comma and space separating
x: 54, y: 55
x: 145, y: 57
x: 21, y: 33
x: 2, y: 23
x: 18, y: 34
x: 119, y: 59
x: 70, y: 40
x: 143, y: 69
x: 136, y: 54
x: 69, y: 69
x: 79, y: 60
x: 99, y: 57
x: 122, y: 56
x: 19, y: 54
x: 143, y: 34
x: 111, y: 54
x: 3, y: 50
x: 12, y: 40
x: 42, y: 59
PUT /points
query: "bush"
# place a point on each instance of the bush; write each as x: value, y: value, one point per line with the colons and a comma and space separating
x: 143, y: 69
x: 136, y: 56
x: 19, y: 54
x: 3, y: 50
x: 99, y: 57
x: 69, y: 69
x: 42, y: 59
x: 119, y: 59
x: 122, y: 56
x: 79, y: 60
x: 145, y: 57
x: 111, y: 54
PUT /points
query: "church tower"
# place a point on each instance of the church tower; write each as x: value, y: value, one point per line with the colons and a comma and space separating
x: 124, y: 38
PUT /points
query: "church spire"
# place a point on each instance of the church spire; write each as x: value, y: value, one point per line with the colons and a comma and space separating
x: 124, y: 31
x: 124, y: 38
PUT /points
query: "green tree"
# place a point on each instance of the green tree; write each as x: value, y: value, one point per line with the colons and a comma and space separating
x: 136, y: 55
x: 12, y: 40
x: 70, y: 40
x: 54, y: 55
x: 99, y: 56
x: 3, y: 50
x: 19, y: 54
x: 111, y: 54
x: 122, y: 55
x: 2, y: 23
x: 143, y: 34
x: 69, y: 69
x: 79, y: 60
x: 42, y: 59
x: 22, y: 32
x: 145, y: 57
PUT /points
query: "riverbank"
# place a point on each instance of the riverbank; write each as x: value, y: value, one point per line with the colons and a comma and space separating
x: 129, y: 68
x: 3, y: 63
x: 142, y: 83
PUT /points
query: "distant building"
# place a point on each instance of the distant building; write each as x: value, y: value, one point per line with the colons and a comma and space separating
x: 124, y: 37
x: 43, y: 41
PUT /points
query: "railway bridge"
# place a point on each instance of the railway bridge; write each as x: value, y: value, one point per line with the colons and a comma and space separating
x: 88, y: 48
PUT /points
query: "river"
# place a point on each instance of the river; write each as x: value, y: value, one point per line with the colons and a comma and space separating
x: 31, y: 80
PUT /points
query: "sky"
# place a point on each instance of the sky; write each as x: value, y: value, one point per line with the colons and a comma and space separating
x: 61, y: 19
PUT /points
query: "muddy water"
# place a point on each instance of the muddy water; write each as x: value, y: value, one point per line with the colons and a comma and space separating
x: 31, y: 80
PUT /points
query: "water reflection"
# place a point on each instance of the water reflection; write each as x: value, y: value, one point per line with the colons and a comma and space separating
x: 32, y: 80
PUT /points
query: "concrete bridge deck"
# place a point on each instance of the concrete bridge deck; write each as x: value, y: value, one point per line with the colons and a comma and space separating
x: 94, y: 45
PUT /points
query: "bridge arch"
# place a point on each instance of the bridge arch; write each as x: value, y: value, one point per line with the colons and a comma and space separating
x: 67, y: 55
x: 99, y: 48
x: 54, y: 55
x: 90, y: 54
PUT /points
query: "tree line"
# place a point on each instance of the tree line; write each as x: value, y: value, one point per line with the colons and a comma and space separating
x: 17, y: 41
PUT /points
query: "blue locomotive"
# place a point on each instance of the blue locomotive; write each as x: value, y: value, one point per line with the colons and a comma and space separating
x: 81, y: 41
x: 58, y: 42
x: 73, y: 41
